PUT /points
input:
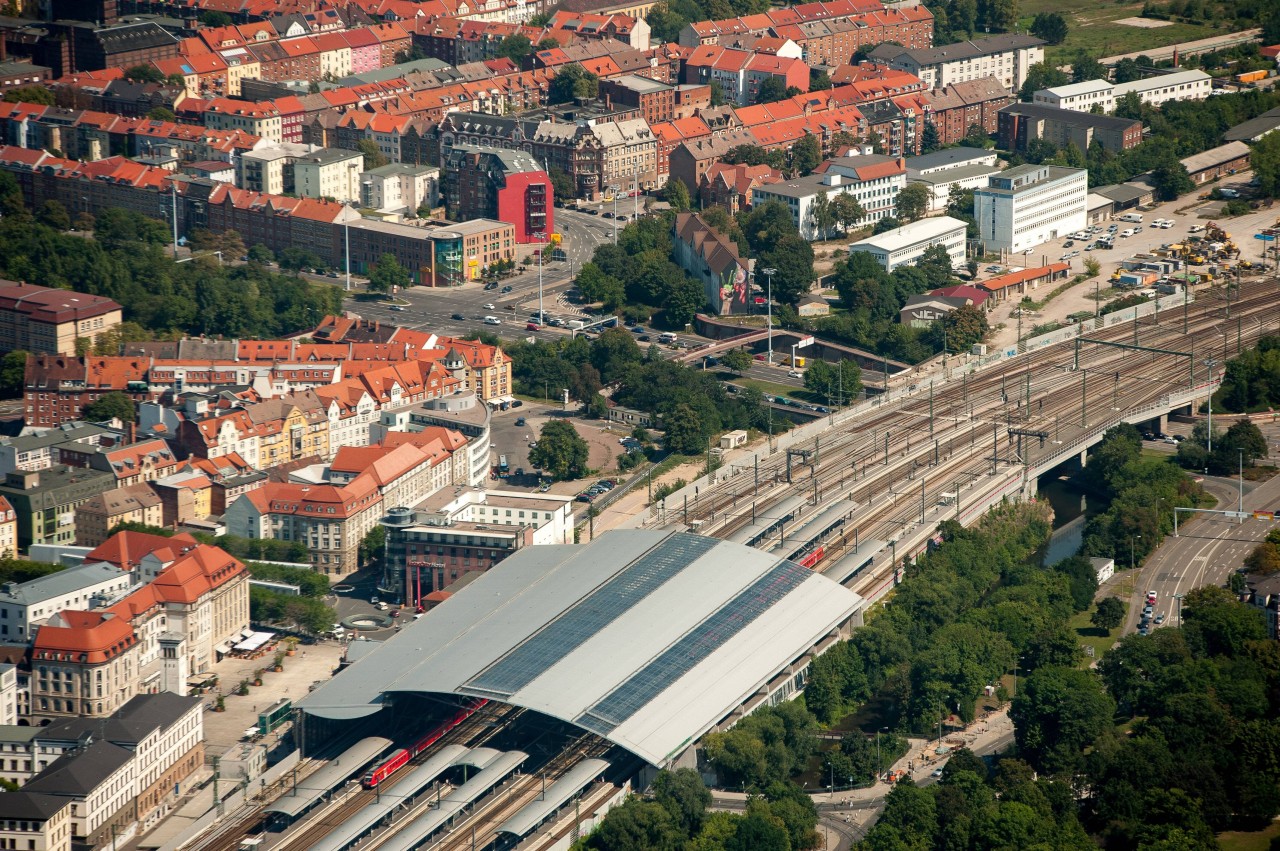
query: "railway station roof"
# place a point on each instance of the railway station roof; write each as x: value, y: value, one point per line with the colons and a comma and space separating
x: 646, y: 638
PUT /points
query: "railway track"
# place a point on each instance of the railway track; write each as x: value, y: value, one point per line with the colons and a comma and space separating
x: 880, y: 462
x: 473, y: 732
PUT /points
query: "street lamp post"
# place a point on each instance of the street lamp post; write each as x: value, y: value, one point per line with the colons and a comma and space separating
x: 542, y: 238
x: 1131, y: 548
x: 614, y: 190
x: 769, y: 273
x: 1208, y: 374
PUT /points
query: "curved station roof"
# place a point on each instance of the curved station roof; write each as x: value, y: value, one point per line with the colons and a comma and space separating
x: 646, y: 638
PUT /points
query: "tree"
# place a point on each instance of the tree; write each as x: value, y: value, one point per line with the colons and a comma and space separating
x: 144, y: 74
x: 1109, y: 614
x: 819, y: 81
x: 30, y: 94
x: 259, y: 253
x: 886, y: 224
x: 846, y: 210
x: 676, y: 194
x: 1084, y: 67
x: 373, y: 544
x: 53, y: 214
x: 1057, y: 713
x: 717, y: 94
x: 573, y: 82
x: 515, y: 47
x: 965, y: 327
x: 113, y: 405
x: 771, y: 90
x: 388, y: 276
x: 929, y: 141
x: 547, y: 43
x: 214, y: 19
x: 596, y: 286
x: 161, y: 113
x: 806, y: 154
x: 13, y: 368
x: 1042, y: 76
x: 1126, y: 71
x: 562, y: 184
x: 373, y: 158
x: 838, y: 382
x: 684, y: 796
x: 998, y: 15
x: 561, y: 451
x: 912, y: 202
x: 1243, y: 442
x: 792, y: 257
x: 736, y: 360
x: 1171, y: 180
x: 1050, y: 26
x: 1092, y: 266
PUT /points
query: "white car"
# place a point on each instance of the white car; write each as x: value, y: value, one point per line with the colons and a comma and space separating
x: 1127, y: 232
x: 795, y: 373
x: 492, y: 320
x: 488, y: 306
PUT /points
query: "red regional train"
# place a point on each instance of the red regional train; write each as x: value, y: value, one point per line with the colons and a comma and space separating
x: 399, y: 757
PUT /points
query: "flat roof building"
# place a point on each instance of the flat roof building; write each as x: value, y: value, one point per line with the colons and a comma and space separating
x: 43, y: 320
x: 1029, y: 205
x: 1081, y: 97
x: 1178, y: 85
x: 648, y: 639
x: 904, y: 246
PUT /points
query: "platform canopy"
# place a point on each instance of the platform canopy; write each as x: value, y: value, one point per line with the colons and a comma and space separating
x: 646, y: 638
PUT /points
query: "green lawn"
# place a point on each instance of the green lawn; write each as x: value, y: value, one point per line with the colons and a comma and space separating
x: 1257, y: 841
x: 769, y: 388
x: 1093, y: 28
x: 1091, y: 636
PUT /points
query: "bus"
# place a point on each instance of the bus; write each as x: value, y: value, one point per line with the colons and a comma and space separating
x: 503, y: 468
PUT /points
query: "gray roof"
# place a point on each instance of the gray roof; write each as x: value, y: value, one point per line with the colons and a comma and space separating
x: 328, y: 156
x: 56, y: 436
x: 1215, y: 156
x: 1122, y: 192
x: 950, y: 175
x: 128, y: 726
x: 392, y: 72
x: 31, y: 806
x: 1254, y: 128
x: 647, y: 638
x: 58, y: 584
x: 77, y: 773
x: 1070, y: 116
x: 401, y: 168
x: 18, y: 733
x: 961, y: 50
x: 946, y: 157
x: 800, y: 187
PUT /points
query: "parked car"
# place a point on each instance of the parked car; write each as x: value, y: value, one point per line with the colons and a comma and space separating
x: 397, y: 308
x: 488, y: 305
x: 458, y: 317
x: 519, y: 421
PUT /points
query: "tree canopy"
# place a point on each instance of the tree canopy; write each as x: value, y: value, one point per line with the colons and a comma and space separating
x: 561, y: 452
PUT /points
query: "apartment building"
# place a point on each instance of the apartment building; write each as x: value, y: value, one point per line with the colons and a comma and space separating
x: 35, y: 821
x: 504, y: 185
x: 1006, y: 57
x: 400, y: 188
x: 258, y: 119
x: 904, y: 246
x: 712, y: 258
x: 96, y: 517
x: 50, y: 321
x: 269, y: 168
x: 45, y: 501
x: 8, y: 530
x: 1177, y: 85
x: 873, y: 179
x: 1022, y: 123
x: 329, y: 173
x: 1028, y: 205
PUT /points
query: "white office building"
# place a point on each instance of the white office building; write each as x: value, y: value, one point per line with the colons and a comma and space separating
x: 874, y: 179
x: 1180, y: 85
x: 1081, y: 97
x: 28, y: 604
x: 1029, y: 205
x: 400, y: 188
x: 904, y: 246
x: 329, y: 173
x: 958, y: 168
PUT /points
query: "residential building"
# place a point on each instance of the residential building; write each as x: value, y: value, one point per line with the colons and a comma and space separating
x: 904, y: 246
x: 8, y: 530
x: 17, y: 749
x: 1264, y: 595
x: 873, y: 179
x: 505, y: 185
x: 655, y: 100
x: 1029, y: 205
x: 400, y: 188
x: 921, y: 311
x: 97, y: 516
x: 740, y: 73
x: 18, y: 75
x: 42, y: 320
x: 259, y: 119
x: 46, y: 500
x: 956, y: 109
x: 35, y: 821
x: 41, y: 450
x: 731, y: 186
x: 329, y: 173
x: 451, y: 534
x: 269, y: 168
x: 131, y: 464
x: 1175, y: 85
x: 1023, y: 123
x: 26, y: 605
x: 1006, y: 57
x: 1088, y: 96
x: 712, y: 258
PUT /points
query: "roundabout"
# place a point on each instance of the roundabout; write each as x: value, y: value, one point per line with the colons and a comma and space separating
x: 367, y: 622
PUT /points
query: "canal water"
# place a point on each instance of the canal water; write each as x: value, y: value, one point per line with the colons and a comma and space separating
x: 1070, y: 511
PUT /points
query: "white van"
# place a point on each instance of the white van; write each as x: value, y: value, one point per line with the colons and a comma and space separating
x: 1136, y: 218
x: 492, y: 320
x: 666, y: 337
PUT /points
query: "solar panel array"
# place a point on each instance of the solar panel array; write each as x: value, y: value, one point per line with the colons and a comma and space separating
x: 533, y: 657
x: 680, y: 658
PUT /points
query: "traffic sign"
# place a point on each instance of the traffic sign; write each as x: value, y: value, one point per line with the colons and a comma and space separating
x: 1264, y: 515
x: 1265, y: 237
x: 804, y: 341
